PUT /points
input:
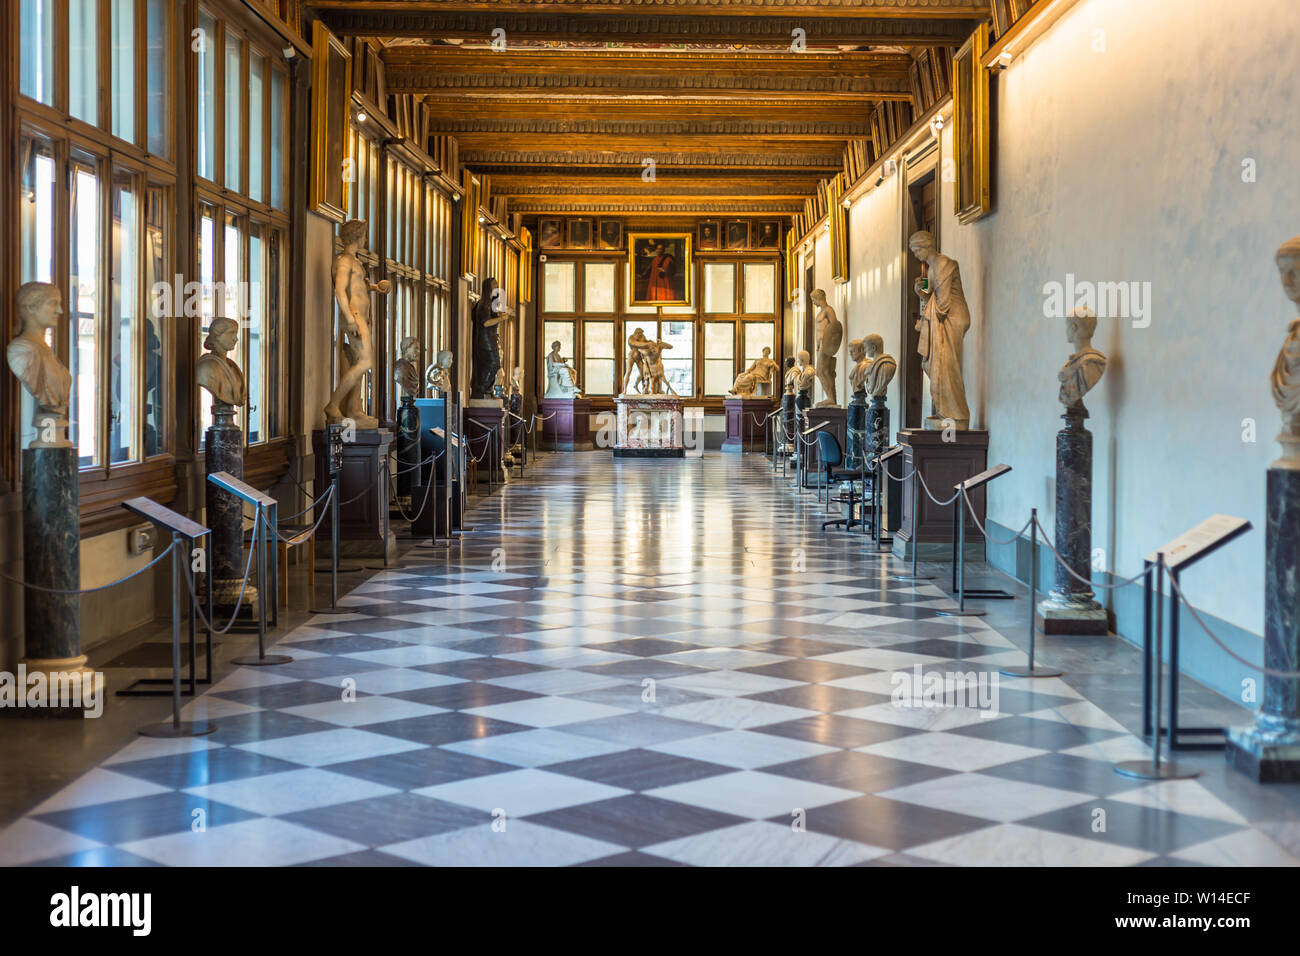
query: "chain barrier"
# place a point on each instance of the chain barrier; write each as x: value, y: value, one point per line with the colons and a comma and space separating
x: 101, y: 587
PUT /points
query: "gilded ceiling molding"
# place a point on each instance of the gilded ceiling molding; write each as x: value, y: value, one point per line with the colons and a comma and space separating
x: 413, y: 80
x: 483, y: 158
x: 616, y: 127
x: 526, y: 206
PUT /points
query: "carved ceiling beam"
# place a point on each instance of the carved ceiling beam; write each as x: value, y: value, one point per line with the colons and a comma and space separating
x: 628, y: 114
x: 814, y: 8
x: 541, y: 161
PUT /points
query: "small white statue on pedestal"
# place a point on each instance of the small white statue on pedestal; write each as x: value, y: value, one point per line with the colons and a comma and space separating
x: 561, y: 378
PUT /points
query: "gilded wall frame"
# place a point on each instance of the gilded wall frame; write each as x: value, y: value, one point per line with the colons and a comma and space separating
x: 972, y: 197
x: 331, y: 98
x: 652, y: 281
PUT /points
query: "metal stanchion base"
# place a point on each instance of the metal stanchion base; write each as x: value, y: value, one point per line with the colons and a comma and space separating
x: 329, y: 610
x: 265, y: 661
x: 1145, y: 770
x: 954, y: 612
x: 1024, y: 670
x: 186, y: 728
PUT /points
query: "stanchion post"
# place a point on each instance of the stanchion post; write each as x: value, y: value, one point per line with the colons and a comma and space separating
x: 1031, y: 669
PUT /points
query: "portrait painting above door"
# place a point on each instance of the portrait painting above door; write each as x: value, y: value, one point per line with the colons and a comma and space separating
x: 660, y: 267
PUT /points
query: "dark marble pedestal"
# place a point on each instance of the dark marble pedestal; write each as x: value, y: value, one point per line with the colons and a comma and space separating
x: 223, y: 450
x: 52, y: 559
x: 789, y: 421
x: 1071, y: 607
x: 942, y: 464
x: 746, y: 423
x: 484, y: 421
x: 856, y: 429
x: 1269, y: 750
x: 408, y: 450
x: 877, y: 426
x: 567, y: 425
x: 363, y: 494
x: 802, y: 402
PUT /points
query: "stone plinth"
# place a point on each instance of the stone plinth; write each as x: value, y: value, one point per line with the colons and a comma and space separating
x: 223, y: 450
x: 789, y: 421
x: 942, y: 464
x: 1070, y: 607
x: 855, y: 427
x: 1269, y: 749
x: 487, y: 438
x: 649, y: 426
x: 568, y: 424
x: 746, y: 424
x: 408, y: 449
x: 363, y: 493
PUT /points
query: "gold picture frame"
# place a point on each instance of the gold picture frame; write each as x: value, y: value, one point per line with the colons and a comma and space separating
x: 331, y: 150
x: 655, y: 283
x: 973, y: 196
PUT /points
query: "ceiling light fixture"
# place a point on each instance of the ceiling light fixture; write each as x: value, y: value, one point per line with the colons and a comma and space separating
x: 361, y: 117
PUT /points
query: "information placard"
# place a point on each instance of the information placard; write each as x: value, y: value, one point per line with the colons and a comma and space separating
x: 1208, y: 536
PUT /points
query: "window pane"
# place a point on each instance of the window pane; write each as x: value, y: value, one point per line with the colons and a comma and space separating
x: 84, y: 279
x: 760, y: 287
x: 720, y: 287
x: 598, y: 363
x: 206, y: 111
x: 122, y: 426
x: 83, y: 60
x: 561, y: 332
x: 256, y: 116
x: 207, y: 256
x: 37, y: 210
x: 233, y: 111
x: 758, y: 336
x: 272, y: 293
x: 155, y: 265
x: 158, y: 77
x: 679, y: 364
x: 598, y: 294
x: 36, y: 41
x: 277, y: 139
x: 719, y: 352
x: 558, y: 279
x: 253, y: 331
x: 122, y: 64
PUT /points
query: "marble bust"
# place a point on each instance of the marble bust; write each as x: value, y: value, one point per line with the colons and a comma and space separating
x: 804, y: 373
x: 945, y: 319
x: 791, y: 375
x: 765, y: 372
x: 33, y: 362
x: 405, y: 370
x: 1086, y: 365
x: 858, y: 370
x: 830, y: 333
x: 517, y: 381
x: 352, y: 289
x: 882, y: 367
x: 215, y: 372
x: 561, y: 378
x: 438, y: 375
x: 1285, y: 379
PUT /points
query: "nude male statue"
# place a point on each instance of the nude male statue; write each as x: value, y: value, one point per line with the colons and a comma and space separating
x: 830, y: 333
x: 352, y: 288
x: 636, y: 344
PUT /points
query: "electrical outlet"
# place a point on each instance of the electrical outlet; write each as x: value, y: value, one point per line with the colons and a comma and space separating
x: 139, y: 540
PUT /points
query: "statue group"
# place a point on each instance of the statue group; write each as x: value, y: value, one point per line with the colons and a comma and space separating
x: 645, y: 357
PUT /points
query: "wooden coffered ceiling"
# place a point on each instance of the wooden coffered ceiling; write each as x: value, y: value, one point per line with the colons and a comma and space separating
x: 565, y: 117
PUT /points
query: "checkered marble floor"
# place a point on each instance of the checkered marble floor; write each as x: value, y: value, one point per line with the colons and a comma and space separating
x: 640, y: 663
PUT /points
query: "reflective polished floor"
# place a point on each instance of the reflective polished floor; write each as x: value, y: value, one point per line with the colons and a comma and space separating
x: 656, y: 663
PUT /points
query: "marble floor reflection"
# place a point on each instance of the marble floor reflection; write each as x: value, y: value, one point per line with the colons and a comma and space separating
x: 657, y: 663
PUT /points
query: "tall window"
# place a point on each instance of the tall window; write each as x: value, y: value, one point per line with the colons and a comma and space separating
x: 83, y: 60
x: 36, y: 41
x: 84, y: 301
x: 122, y: 74
x: 206, y: 108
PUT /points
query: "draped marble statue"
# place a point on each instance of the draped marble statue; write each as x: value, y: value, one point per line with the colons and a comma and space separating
x: 352, y: 288
x: 33, y: 362
x: 945, y: 319
x: 1285, y: 380
x: 438, y: 375
x: 488, y: 314
x: 830, y: 333
x: 561, y: 377
x: 765, y: 372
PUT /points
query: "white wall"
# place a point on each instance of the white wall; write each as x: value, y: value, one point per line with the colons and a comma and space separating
x: 1126, y: 164
x: 873, y: 295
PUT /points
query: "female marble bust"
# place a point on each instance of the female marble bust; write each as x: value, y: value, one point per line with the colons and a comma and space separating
x: 1286, y: 370
x: 217, y: 373
x: 405, y: 370
x: 33, y: 362
x: 1085, y: 367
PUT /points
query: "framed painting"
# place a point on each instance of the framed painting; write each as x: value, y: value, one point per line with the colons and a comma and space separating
x: 550, y: 234
x: 768, y: 235
x: 659, y: 268
x: 738, y: 234
x: 708, y: 234
x: 610, y: 233
x: 972, y: 197
x: 579, y: 233
x: 331, y: 96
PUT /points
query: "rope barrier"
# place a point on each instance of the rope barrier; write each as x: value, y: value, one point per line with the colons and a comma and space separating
x: 930, y: 495
x: 428, y: 491
x: 1173, y: 583
x: 295, y: 540
x: 1092, y: 584
x: 970, y: 510
x: 101, y: 587
x: 239, y: 603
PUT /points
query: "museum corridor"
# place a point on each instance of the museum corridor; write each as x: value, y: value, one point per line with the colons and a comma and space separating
x: 651, y: 663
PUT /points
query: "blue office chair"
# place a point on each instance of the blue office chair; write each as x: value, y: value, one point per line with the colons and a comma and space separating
x: 831, y: 456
